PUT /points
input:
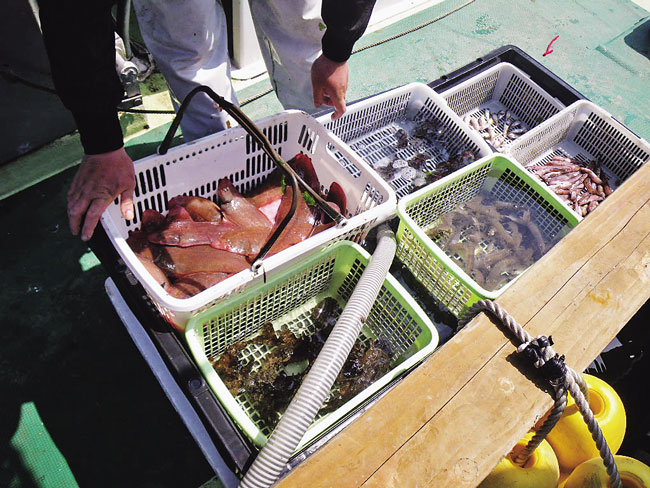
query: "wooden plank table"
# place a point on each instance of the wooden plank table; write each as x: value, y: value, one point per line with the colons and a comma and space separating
x: 451, y: 420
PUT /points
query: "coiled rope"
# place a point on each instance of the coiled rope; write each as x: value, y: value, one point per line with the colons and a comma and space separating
x: 561, y: 377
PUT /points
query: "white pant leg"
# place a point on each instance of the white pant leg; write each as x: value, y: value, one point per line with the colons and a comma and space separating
x: 189, y: 41
x: 289, y: 33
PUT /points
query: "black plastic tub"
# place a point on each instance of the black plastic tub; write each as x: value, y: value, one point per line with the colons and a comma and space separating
x: 541, y: 75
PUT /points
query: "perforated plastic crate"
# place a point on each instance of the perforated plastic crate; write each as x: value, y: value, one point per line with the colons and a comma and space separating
x: 585, y: 132
x: 503, y: 179
x: 503, y: 87
x: 287, y: 301
x: 195, y: 169
x: 370, y: 127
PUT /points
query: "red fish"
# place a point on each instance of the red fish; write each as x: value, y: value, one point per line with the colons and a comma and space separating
x: 200, y: 209
x: 238, y: 209
x: 185, y: 233
x: 268, y: 196
x: 247, y: 241
x: 299, y: 228
x: 336, y: 199
x: 179, y: 213
x: 183, y: 260
x: 326, y: 222
x: 336, y: 195
x: 190, y: 284
x: 155, y: 272
x: 138, y: 242
x: 152, y: 220
x: 269, y: 191
x: 302, y: 165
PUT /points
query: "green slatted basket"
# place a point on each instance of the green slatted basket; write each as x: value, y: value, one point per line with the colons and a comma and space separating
x: 287, y: 301
x: 502, y: 178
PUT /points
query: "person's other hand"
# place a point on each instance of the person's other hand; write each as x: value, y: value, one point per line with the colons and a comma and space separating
x: 100, y: 179
x: 329, y: 81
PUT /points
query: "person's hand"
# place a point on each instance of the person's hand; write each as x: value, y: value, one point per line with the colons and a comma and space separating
x: 100, y: 179
x: 329, y: 81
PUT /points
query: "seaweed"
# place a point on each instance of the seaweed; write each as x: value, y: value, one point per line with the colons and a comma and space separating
x: 270, y: 383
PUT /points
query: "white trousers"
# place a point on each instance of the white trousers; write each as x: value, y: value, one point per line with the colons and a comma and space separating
x: 189, y: 41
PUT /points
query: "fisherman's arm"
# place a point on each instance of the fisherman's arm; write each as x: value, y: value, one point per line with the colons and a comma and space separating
x: 346, y: 21
x: 79, y: 39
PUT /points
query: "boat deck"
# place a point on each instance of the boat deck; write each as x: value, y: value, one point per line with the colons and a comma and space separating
x: 70, y: 373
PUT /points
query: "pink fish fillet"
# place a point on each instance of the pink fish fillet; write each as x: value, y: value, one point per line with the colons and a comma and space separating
x: 200, y: 209
x: 270, y: 210
x: 238, y: 209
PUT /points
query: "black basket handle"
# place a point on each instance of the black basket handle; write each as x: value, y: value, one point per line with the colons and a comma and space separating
x: 268, y: 149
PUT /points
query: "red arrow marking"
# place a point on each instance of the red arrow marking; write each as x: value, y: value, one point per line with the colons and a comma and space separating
x: 548, y: 49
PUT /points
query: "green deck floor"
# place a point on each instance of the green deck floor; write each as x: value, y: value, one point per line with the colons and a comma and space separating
x: 70, y: 375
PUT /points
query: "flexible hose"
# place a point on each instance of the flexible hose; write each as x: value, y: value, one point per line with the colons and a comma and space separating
x: 317, y: 384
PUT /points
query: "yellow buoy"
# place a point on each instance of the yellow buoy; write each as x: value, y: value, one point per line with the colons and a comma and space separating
x: 540, y: 471
x: 570, y: 437
x: 592, y: 474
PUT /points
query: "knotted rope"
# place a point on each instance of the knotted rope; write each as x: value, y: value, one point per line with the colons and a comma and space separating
x: 561, y: 377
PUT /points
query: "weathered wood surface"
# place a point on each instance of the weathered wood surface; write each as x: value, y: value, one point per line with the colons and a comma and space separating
x: 449, y: 422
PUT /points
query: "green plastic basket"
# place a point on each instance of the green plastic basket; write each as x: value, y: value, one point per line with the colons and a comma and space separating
x: 286, y: 301
x: 504, y: 179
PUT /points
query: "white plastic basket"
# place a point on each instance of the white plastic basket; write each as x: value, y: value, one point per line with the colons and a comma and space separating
x: 369, y: 127
x: 585, y: 132
x: 195, y: 169
x: 503, y: 87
